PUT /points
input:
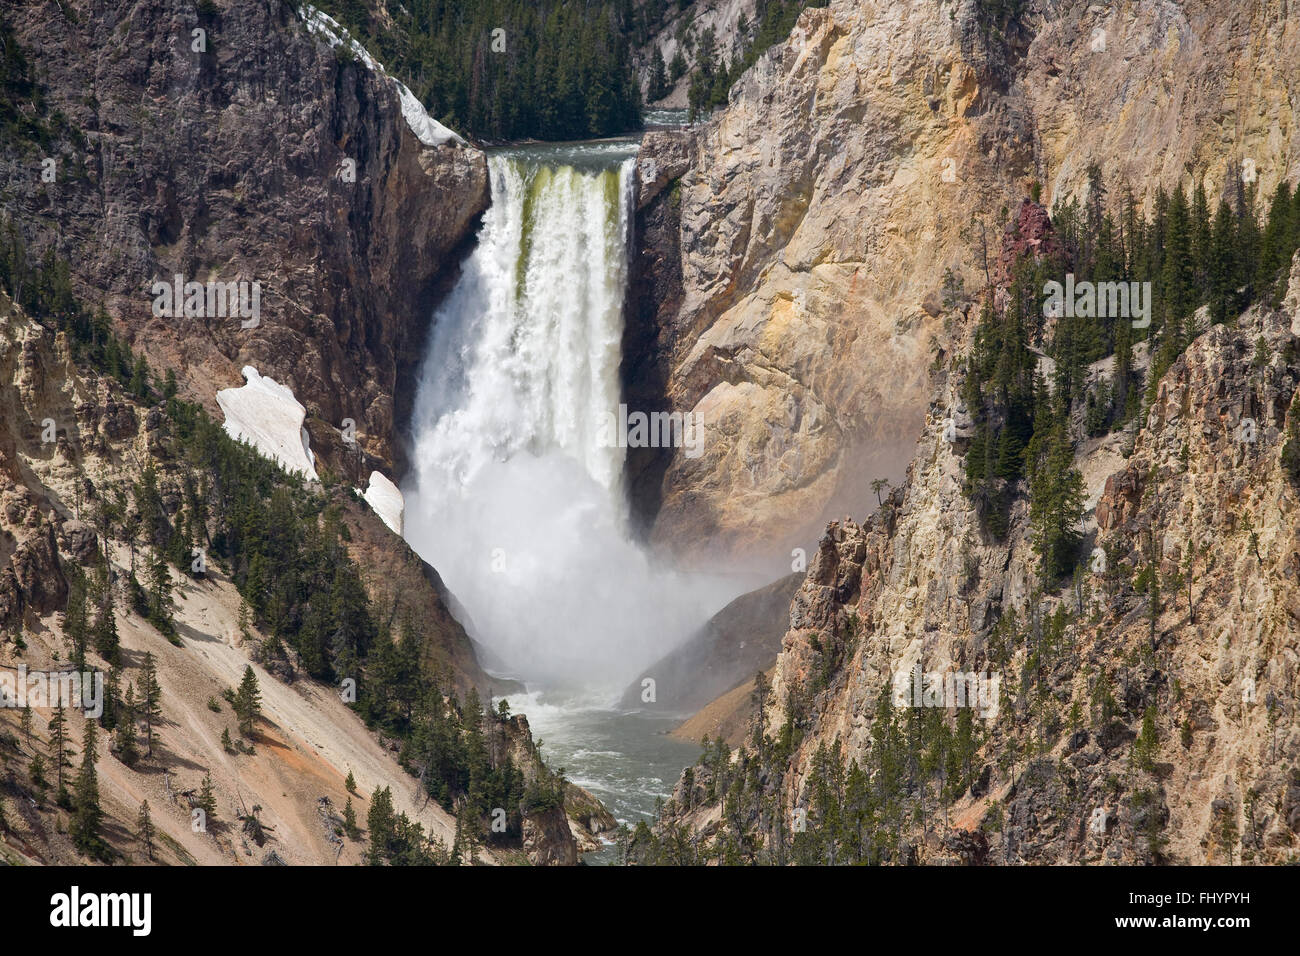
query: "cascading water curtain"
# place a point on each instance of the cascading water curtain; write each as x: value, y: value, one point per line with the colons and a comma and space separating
x: 516, y: 496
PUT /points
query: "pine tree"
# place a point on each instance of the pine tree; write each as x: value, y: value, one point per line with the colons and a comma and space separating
x: 1246, y: 260
x: 1056, y: 507
x: 36, y: 771
x: 207, y: 801
x: 380, y: 821
x: 112, y: 700
x: 150, y: 698
x: 248, y: 702
x: 1291, y: 448
x: 1147, y: 745
x: 144, y: 829
x: 106, y: 638
x: 1202, y: 238
x: 127, y: 751
x: 1222, y: 264
x: 87, y: 815
x: 1276, y: 247
x: 677, y: 68
x: 657, y: 87
x: 1179, y: 276
x: 75, y: 618
x: 139, y: 385
x: 350, y: 783
x: 160, y: 593
x: 59, y: 754
x: 350, y: 820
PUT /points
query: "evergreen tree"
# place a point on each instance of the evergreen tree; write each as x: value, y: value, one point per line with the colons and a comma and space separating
x: 150, y: 698
x: 207, y: 801
x: 1179, y: 275
x: 1246, y: 260
x: 1146, y: 747
x: 160, y: 604
x: 59, y: 753
x: 1276, y: 247
x: 677, y: 68
x: 380, y: 822
x: 1056, y: 506
x: 1222, y: 264
x: 1202, y: 238
x: 350, y: 820
x: 106, y: 637
x: 139, y: 385
x: 657, y: 87
x: 75, y: 617
x: 127, y: 751
x: 87, y: 816
x: 248, y: 702
x: 36, y: 771
x: 144, y: 829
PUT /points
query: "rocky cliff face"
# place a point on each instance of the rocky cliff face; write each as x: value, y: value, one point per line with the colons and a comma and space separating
x: 225, y: 142
x: 726, y: 652
x: 867, y: 154
x: 679, y: 22
x: 73, y: 444
x: 554, y: 832
x: 1060, y: 774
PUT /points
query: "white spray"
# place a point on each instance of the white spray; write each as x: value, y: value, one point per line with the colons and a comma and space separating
x: 515, y: 493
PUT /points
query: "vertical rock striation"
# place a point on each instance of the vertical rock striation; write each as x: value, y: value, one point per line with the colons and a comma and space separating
x: 253, y: 151
x: 859, y: 160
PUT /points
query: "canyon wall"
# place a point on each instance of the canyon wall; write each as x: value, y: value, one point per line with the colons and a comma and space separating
x: 1209, y: 662
x: 225, y: 142
x: 878, y: 147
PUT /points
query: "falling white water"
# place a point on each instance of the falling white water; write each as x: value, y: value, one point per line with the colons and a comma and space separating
x: 515, y: 494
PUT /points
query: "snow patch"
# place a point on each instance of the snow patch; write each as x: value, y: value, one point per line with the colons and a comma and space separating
x: 386, y: 500
x: 265, y: 414
x: 426, y: 129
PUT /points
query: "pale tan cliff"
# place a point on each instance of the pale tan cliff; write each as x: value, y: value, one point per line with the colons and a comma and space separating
x: 1220, y: 664
x: 856, y: 162
x: 307, y: 741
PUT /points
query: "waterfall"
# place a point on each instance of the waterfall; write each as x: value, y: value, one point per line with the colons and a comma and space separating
x: 515, y: 495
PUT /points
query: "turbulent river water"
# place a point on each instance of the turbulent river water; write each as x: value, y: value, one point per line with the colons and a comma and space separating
x: 516, y: 495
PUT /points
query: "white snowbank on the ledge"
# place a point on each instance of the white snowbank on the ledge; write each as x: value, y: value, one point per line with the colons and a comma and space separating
x: 265, y: 414
x: 426, y: 129
x: 386, y: 500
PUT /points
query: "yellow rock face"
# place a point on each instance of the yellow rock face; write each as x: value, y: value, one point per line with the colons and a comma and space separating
x: 863, y: 157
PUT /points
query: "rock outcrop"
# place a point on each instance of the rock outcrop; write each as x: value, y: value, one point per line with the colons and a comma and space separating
x: 732, y: 646
x: 228, y: 143
x: 560, y: 819
x: 1210, y: 662
x: 722, y: 17
x: 866, y: 155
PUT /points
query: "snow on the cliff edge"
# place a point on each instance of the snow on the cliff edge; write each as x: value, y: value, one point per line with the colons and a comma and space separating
x: 386, y: 500
x: 426, y: 129
x: 265, y: 414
